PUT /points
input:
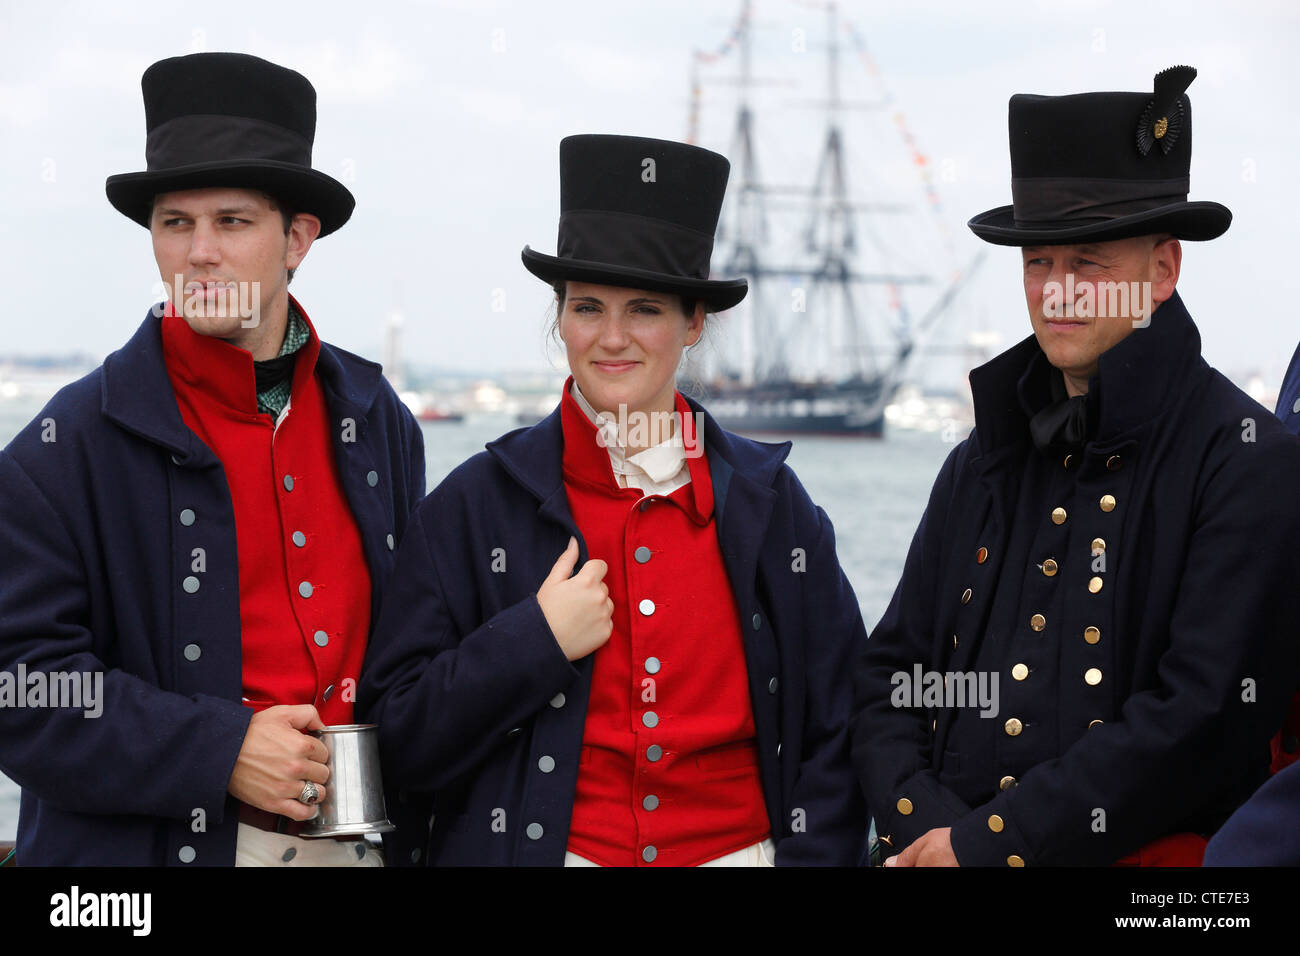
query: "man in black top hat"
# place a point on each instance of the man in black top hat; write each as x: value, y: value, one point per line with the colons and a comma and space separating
x: 198, y: 533
x: 1093, y: 638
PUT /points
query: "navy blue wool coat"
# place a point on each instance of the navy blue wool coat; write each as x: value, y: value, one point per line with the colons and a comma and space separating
x: 95, y: 551
x: 1265, y: 831
x: 1138, y: 692
x: 470, y: 688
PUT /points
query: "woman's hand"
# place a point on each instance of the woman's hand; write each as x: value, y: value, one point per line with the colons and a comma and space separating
x: 578, y: 609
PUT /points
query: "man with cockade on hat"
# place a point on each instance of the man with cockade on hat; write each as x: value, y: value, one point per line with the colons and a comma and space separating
x: 205, y: 523
x: 1111, y: 551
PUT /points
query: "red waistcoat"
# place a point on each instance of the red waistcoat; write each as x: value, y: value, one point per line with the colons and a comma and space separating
x: 669, y: 770
x: 304, y: 587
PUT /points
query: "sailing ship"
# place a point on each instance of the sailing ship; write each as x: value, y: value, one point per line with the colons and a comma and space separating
x: 826, y: 277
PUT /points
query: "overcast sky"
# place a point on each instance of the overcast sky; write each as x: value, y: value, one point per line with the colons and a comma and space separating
x: 444, y: 119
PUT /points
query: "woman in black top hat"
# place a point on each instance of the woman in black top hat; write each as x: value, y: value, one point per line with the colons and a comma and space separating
x: 679, y: 700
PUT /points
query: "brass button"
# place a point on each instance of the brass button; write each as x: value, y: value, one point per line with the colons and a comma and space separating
x: 1113, y: 463
x: 1091, y: 634
x: 887, y: 841
x: 1098, y: 545
x: 954, y: 641
x: 1013, y: 727
x: 1093, y: 676
x: 1094, y: 585
x: 1038, y: 622
x: 965, y: 596
x: 1020, y: 672
x: 1014, y: 860
x: 1069, y: 460
x: 1094, y: 723
x: 1050, y: 567
x: 1107, y: 502
x: 1058, y: 516
x: 1006, y: 783
x: 995, y: 823
x: 904, y: 806
x: 934, y: 725
x: 981, y: 555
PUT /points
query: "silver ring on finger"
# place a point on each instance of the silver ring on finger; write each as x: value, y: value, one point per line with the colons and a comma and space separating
x: 310, y: 793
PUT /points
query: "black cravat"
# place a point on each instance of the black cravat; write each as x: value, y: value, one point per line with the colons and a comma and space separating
x: 1063, y: 422
x: 271, y: 372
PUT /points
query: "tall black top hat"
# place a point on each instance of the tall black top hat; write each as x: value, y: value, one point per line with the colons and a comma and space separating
x: 229, y: 119
x: 1097, y: 166
x: 639, y: 213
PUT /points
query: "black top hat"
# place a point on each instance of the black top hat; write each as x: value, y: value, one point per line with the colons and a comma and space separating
x: 640, y: 213
x: 229, y: 119
x: 1099, y: 166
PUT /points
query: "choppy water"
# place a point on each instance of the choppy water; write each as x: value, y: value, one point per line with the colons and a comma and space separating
x: 873, y: 491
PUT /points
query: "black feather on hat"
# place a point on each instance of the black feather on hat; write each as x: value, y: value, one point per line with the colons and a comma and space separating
x: 1086, y: 168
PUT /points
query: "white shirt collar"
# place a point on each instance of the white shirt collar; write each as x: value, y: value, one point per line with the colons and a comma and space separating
x: 659, y: 462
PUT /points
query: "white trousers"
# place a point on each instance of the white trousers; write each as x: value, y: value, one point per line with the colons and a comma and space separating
x: 254, y: 847
x: 758, y: 854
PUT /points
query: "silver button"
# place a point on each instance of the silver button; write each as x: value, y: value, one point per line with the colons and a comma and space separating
x: 644, y: 505
x: 388, y: 540
x: 176, y: 459
x: 557, y: 701
x: 534, y: 831
x: 546, y: 764
x: 289, y: 854
x: 1295, y: 406
x: 328, y: 691
x: 288, y: 482
x: 321, y: 638
x: 372, y: 478
x: 649, y: 854
x: 758, y: 620
x: 300, y: 539
x: 361, y: 849
x: 778, y: 749
x: 193, y: 652
x: 650, y: 719
x: 305, y: 589
x: 651, y: 802
x: 652, y: 665
x: 514, y: 731
x: 415, y: 855
x: 654, y: 752
x: 642, y: 554
x: 646, y: 607
x: 187, y: 517
x: 190, y: 584
x: 187, y: 854
x: 772, y: 685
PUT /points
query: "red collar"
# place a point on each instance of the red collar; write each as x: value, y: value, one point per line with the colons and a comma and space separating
x: 224, y: 371
x: 588, y: 462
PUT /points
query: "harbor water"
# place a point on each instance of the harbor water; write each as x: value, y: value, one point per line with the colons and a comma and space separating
x: 873, y: 491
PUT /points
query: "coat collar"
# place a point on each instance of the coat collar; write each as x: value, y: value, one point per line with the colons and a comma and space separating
x: 137, y: 393
x: 1136, y: 380
x: 224, y: 371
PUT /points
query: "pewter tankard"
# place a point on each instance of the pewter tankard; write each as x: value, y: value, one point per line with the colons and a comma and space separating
x: 354, y: 792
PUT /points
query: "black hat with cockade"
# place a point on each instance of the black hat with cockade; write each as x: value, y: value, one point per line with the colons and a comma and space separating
x: 1091, y: 167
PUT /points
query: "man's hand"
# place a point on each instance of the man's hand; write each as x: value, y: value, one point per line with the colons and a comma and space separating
x: 934, y: 848
x: 578, y: 609
x: 277, y: 758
